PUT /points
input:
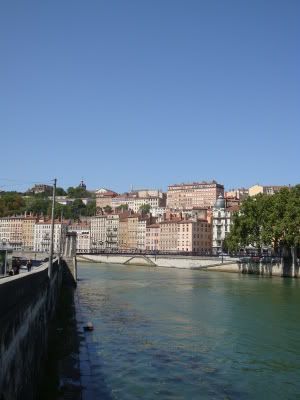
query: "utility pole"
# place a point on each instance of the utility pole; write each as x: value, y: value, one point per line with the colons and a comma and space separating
x: 61, y: 235
x: 52, y: 229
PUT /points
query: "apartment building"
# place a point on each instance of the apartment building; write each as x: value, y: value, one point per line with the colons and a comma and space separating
x: 123, y: 233
x: 83, y: 236
x: 150, y: 193
x: 154, y: 203
x: 123, y: 200
x: 134, y: 200
x: 197, y: 194
x: 168, y: 235
x: 98, y: 232
x: 141, y: 233
x: 112, y: 231
x: 28, y: 224
x: 194, y: 236
x: 153, y: 237
x: 158, y: 211
x: 221, y: 222
x: 270, y: 190
x: 132, y: 231
x: 42, y: 236
x: 11, y: 231
x: 104, y: 197
x: 239, y: 194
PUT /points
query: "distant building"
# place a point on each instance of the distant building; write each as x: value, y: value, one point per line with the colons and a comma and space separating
x: 98, y: 232
x: 153, y: 237
x: 28, y: 224
x: 134, y: 200
x: 83, y: 236
x: 65, y: 200
x: 112, y: 231
x: 144, y: 193
x: 104, y: 197
x: 197, y: 194
x: 11, y: 231
x: 194, y: 236
x: 270, y: 190
x: 158, y: 211
x: 168, y: 235
x: 132, y: 235
x: 238, y: 194
x: 42, y: 236
x: 40, y: 188
x: 221, y: 223
x: 141, y: 233
x: 123, y: 233
x: 82, y: 185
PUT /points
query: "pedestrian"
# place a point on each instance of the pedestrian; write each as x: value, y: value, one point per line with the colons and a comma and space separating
x: 29, y: 265
x: 16, y: 266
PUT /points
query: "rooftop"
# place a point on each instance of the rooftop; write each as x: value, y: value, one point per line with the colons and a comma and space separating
x: 203, y: 183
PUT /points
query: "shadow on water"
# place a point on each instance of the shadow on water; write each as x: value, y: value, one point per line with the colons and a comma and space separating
x: 93, y: 379
x: 61, y: 376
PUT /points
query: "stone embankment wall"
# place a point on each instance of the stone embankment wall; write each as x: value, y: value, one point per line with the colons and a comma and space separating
x: 27, y: 303
x: 284, y: 268
x: 154, y: 261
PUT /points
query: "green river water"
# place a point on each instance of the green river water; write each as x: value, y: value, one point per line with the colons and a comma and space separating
x: 178, y: 334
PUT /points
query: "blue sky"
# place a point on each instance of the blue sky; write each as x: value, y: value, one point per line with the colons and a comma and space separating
x: 149, y: 93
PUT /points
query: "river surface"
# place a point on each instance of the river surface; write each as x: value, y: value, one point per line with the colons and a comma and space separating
x: 178, y: 334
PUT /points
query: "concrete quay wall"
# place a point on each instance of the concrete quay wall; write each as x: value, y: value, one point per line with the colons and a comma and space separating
x: 283, y: 269
x: 27, y: 303
x: 188, y: 262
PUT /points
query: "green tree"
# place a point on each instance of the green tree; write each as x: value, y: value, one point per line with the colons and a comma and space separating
x: 145, y: 208
x: 60, y: 192
x: 122, y: 207
x: 38, y: 205
x: 11, y: 203
x: 107, y: 209
x: 268, y: 221
x: 91, y: 209
x: 78, y: 193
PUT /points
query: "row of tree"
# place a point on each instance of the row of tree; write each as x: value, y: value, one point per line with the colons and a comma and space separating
x: 266, y: 220
x: 12, y: 203
x: 71, y: 192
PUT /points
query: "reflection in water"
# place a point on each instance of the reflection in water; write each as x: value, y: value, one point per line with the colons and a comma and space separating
x: 178, y: 334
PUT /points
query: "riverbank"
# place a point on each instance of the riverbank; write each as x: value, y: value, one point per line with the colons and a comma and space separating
x: 216, y: 264
x: 168, y: 261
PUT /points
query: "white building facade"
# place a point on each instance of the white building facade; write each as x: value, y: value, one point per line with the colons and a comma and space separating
x: 11, y: 232
x: 42, y: 236
x: 141, y: 234
x: 98, y: 232
x: 112, y: 231
x: 221, y: 221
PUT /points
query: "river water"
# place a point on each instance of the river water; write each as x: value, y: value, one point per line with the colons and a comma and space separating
x: 178, y: 334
